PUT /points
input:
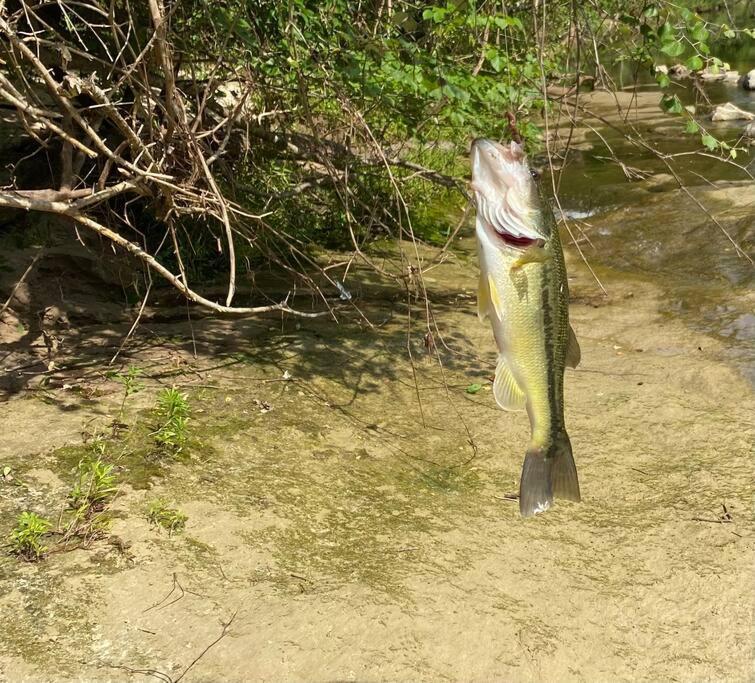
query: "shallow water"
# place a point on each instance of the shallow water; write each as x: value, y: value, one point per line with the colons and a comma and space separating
x: 654, y: 230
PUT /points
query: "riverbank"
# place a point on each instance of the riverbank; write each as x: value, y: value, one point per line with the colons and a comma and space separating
x: 349, y: 508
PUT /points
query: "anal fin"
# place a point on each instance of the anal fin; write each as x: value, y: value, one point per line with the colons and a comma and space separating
x: 508, y: 394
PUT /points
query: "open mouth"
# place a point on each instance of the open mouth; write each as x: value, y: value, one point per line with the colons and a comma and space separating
x: 518, y: 242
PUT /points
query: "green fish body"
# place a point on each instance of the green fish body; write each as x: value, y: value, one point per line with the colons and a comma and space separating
x: 524, y: 293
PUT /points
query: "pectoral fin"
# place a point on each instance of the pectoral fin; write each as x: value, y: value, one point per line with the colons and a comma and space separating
x: 507, y: 393
x: 495, y: 300
x: 573, y: 352
x: 533, y: 254
x: 483, y: 298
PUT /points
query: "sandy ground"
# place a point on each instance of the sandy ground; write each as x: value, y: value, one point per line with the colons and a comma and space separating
x: 354, y: 532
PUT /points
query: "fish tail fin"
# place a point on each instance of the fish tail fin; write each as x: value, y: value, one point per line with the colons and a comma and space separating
x: 564, y: 472
x: 547, y: 473
x: 535, y: 489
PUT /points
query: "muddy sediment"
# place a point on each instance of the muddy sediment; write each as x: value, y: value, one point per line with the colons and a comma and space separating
x: 349, y: 507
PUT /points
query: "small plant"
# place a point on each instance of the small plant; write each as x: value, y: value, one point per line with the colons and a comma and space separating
x: 94, y: 489
x: 130, y: 383
x: 95, y: 485
x: 162, y: 515
x: 26, y: 539
x: 173, y: 411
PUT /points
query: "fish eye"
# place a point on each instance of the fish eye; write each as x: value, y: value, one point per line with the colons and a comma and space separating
x: 534, y: 174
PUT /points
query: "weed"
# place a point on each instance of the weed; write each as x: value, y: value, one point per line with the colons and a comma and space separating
x: 94, y: 487
x: 162, y: 515
x: 130, y: 383
x: 85, y: 518
x: 173, y: 412
x: 26, y: 539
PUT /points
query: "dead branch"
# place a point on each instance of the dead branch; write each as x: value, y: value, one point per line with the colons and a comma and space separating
x: 131, y: 124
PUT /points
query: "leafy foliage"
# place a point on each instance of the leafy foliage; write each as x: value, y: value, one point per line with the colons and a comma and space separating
x: 252, y: 133
x: 161, y: 514
x: 173, y: 413
x: 28, y: 536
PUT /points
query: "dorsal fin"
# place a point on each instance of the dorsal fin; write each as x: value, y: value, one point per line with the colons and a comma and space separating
x: 507, y: 393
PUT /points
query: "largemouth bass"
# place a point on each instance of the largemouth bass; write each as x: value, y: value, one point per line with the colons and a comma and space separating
x: 524, y: 292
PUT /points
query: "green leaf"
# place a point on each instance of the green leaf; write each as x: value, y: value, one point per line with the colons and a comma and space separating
x: 710, y: 142
x: 672, y: 104
x: 673, y: 49
x: 666, y: 32
x: 473, y: 388
x: 496, y: 58
x: 699, y: 32
x: 692, y: 126
x: 694, y: 63
x: 651, y: 11
x: 662, y: 79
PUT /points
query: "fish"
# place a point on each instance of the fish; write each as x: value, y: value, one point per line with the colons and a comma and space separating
x: 523, y: 292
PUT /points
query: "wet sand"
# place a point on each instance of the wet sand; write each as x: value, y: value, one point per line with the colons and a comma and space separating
x: 357, y: 532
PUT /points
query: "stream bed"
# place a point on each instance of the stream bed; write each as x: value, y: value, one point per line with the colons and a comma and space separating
x: 349, y: 505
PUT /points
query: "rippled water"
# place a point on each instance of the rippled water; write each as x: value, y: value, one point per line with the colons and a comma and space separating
x: 657, y: 231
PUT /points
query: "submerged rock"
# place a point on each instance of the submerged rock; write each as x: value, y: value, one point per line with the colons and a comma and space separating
x: 660, y: 182
x: 748, y: 80
x: 749, y: 131
x: 730, y: 112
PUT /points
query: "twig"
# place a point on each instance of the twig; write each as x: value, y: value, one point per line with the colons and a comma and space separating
x: 160, y: 603
x: 135, y: 324
x: 18, y: 284
x: 222, y: 635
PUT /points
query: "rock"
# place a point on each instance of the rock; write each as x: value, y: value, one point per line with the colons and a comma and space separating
x: 748, y: 80
x: 718, y: 75
x: 730, y: 112
x: 750, y: 130
x: 710, y: 75
x: 660, y: 182
x: 678, y: 71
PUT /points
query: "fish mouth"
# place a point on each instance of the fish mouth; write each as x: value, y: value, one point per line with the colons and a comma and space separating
x: 511, y: 153
x: 503, y: 189
x: 518, y: 242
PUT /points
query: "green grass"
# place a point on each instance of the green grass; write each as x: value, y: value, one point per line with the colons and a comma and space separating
x: 160, y: 514
x: 95, y: 484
